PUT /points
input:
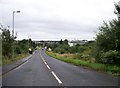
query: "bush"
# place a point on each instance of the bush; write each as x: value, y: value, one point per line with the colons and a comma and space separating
x: 79, y: 49
x: 82, y: 56
x: 18, y: 50
x: 82, y: 49
x: 107, y: 41
x: 64, y: 48
x: 111, y: 57
x: 112, y: 69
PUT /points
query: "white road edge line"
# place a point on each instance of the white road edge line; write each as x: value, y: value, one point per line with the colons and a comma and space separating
x: 48, y: 67
x: 56, y: 78
x: 23, y: 63
x: 20, y: 65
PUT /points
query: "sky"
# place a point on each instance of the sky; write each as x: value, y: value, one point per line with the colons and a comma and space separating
x: 56, y: 19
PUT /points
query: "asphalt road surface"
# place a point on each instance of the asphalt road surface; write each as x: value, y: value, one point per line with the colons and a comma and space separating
x: 43, y: 70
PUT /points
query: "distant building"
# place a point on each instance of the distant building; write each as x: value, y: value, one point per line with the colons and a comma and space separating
x: 75, y: 42
x: 43, y: 43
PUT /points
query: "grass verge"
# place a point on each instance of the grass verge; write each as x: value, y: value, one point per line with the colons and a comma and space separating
x: 6, y: 60
x: 111, y: 69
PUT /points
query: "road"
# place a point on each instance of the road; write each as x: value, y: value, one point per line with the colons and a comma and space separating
x: 43, y: 70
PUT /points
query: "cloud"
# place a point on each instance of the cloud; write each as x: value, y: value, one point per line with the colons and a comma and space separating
x: 57, y: 19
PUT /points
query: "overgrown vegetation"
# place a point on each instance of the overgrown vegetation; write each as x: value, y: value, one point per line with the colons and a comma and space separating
x: 6, y: 60
x: 103, y: 53
x: 12, y: 47
x: 107, y: 45
x: 0, y: 49
x: 111, y: 69
x: 83, y: 52
x: 107, y: 42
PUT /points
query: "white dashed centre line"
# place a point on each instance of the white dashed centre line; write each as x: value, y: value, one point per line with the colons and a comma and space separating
x: 45, y: 63
x: 56, y: 78
x: 48, y: 67
x: 59, y: 81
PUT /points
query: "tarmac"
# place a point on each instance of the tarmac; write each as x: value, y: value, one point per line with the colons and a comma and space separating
x: 9, y: 67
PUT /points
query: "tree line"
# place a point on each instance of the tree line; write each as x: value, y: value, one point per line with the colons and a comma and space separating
x: 9, y: 43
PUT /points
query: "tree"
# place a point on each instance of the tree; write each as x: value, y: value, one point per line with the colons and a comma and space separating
x: 65, y: 41
x: 108, y: 41
x: 61, y: 42
x: 6, y: 43
x: 23, y: 45
x: 117, y: 7
x: 0, y: 46
x: 64, y: 48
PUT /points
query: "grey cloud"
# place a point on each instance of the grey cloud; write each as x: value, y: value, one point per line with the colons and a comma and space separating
x: 52, y: 19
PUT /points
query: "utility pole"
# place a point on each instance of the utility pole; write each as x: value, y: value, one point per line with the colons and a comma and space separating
x: 13, y: 34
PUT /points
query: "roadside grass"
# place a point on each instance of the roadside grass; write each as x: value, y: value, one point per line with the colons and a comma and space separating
x: 20, y: 56
x: 7, y: 60
x: 111, y: 69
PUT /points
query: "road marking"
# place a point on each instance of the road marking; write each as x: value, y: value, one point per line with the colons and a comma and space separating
x: 43, y: 59
x: 59, y: 81
x: 17, y: 67
x: 48, y: 67
x: 21, y: 65
x: 45, y: 63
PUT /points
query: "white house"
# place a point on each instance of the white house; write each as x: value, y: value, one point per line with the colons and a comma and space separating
x: 75, y: 42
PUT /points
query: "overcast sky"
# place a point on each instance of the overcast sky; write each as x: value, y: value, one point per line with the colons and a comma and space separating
x: 56, y: 19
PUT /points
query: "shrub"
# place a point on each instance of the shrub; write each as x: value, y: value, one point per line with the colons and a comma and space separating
x: 82, y: 49
x: 61, y: 49
x: 82, y: 56
x: 107, y: 41
x: 111, y: 57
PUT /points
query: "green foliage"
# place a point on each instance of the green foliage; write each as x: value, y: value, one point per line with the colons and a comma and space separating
x: 63, y: 48
x: 6, y: 43
x: 22, y: 46
x: 61, y: 42
x: 112, y: 69
x: 90, y: 44
x: 107, y: 44
x: 52, y: 45
x: 82, y: 56
x: 82, y: 52
x: 82, y: 49
x: 17, y: 49
x: 7, y: 60
x: 65, y: 42
x: 110, y: 57
x: 107, y: 39
x: 0, y: 48
x: 117, y: 7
